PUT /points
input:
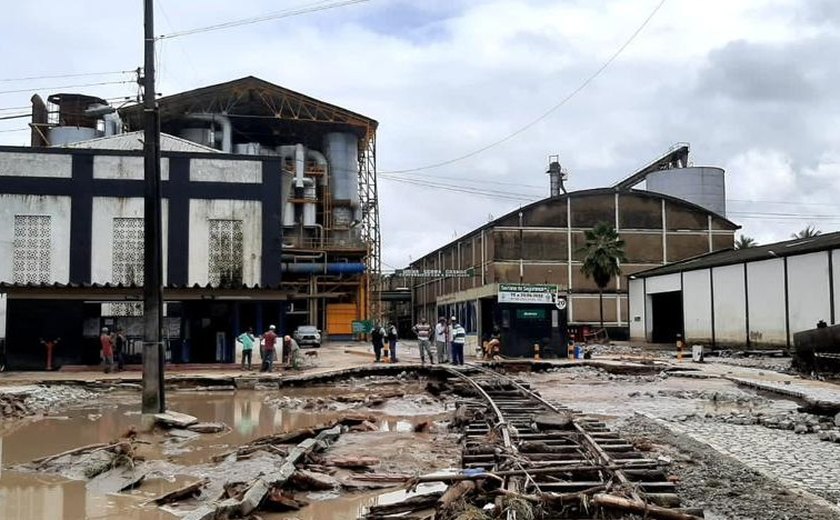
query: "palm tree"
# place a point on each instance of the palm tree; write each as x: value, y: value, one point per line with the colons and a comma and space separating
x: 604, y: 254
x: 744, y: 242
x: 810, y: 231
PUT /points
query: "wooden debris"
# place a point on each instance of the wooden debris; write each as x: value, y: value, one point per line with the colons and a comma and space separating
x: 635, y: 506
x: 366, y: 426
x: 354, y: 462
x: 455, y: 493
x: 75, y: 451
x: 207, y: 427
x: 280, y: 500
x: 188, y: 491
x: 553, y: 421
x: 306, y: 480
x: 409, y: 505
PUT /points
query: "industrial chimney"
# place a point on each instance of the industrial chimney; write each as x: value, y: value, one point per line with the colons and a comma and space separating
x: 556, y: 175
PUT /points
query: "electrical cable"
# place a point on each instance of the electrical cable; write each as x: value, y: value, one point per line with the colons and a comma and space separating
x: 65, y: 86
x: 317, y: 6
x: 548, y: 112
x: 70, y: 75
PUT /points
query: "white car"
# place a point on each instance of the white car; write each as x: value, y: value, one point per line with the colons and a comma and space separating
x: 308, y: 335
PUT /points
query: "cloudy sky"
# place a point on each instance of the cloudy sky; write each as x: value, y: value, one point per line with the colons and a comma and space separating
x: 752, y: 85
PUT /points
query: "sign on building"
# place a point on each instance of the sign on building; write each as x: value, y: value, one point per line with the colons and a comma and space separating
x: 434, y: 273
x: 536, y: 294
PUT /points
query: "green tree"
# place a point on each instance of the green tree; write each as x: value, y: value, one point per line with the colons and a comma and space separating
x: 743, y: 242
x: 810, y: 231
x: 604, y: 252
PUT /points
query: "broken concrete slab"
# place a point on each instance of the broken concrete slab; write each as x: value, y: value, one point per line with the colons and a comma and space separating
x: 175, y: 419
x: 313, y: 481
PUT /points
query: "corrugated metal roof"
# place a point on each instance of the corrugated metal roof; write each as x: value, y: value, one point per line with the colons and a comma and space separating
x: 134, y: 141
x: 58, y: 285
x: 724, y: 257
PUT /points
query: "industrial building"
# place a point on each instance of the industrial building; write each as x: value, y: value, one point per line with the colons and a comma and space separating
x: 270, y: 216
x: 755, y: 297
x: 521, y: 273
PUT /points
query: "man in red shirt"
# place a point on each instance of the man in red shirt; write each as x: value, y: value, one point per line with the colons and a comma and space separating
x: 269, y: 341
x: 107, y: 349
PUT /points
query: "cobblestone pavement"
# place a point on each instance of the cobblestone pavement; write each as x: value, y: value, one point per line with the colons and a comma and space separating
x: 802, y: 460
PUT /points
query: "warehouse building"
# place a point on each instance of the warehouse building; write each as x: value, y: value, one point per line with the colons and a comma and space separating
x: 269, y: 217
x: 757, y: 297
x: 521, y: 273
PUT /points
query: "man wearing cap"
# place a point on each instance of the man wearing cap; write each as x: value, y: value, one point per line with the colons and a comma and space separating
x: 269, y: 339
x: 291, y: 351
x: 107, y: 349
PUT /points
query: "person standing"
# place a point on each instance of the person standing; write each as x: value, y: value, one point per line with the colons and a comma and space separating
x: 270, y: 339
x: 441, y: 344
x: 377, y: 337
x: 247, y: 339
x: 424, y: 331
x: 119, y: 349
x: 392, y: 342
x: 459, y: 338
x: 107, y: 343
x: 50, y: 345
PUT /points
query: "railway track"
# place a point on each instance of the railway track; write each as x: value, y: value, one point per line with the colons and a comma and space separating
x: 573, y: 464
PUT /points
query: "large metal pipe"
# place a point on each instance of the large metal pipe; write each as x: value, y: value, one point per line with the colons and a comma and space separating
x: 321, y: 161
x: 224, y: 122
x: 329, y: 268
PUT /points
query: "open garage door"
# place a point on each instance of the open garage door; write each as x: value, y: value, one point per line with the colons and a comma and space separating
x: 667, y: 316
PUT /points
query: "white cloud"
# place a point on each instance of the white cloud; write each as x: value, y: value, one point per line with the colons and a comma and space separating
x: 444, y: 78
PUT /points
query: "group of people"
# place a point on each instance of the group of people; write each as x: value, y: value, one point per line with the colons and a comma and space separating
x: 112, y: 349
x: 449, y: 338
x: 268, y: 343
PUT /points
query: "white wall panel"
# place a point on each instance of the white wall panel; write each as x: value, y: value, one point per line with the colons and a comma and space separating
x: 28, y: 164
x: 219, y: 170
x: 730, y: 304
x: 250, y: 212
x: 664, y: 283
x: 808, y: 297
x: 105, y: 210
x: 835, y: 260
x: 3, y: 305
x: 697, y: 306
x: 637, y: 309
x: 124, y: 167
x: 58, y: 208
x: 766, y: 291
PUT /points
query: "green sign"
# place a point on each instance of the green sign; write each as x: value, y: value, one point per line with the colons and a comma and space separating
x: 362, y: 327
x: 530, y: 314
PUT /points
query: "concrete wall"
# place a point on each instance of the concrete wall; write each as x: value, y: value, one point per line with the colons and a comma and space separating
x: 766, y: 297
x: 730, y: 304
x: 124, y: 167
x: 105, y: 210
x: 220, y: 170
x: 201, y: 212
x: 3, y: 306
x: 58, y: 208
x: 697, y: 306
x: 637, y: 310
x: 25, y: 164
x: 808, y: 291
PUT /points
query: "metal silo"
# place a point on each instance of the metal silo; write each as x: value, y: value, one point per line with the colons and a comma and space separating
x: 702, y: 185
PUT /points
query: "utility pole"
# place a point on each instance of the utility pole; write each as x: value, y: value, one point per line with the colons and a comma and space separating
x: 153, y: 358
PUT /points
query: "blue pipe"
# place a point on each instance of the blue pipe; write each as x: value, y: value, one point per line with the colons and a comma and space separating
x: 320, y: 268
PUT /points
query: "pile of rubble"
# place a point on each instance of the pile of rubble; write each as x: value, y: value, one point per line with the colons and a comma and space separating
x: 585, y: 373
x: 826, y: 428
x: 739, y: 398
x: 26, y: 401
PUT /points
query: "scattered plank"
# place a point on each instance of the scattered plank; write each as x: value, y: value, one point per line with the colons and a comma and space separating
x: 175, y: 419
x: 188, y: 491
x: 637, y: 506
x: 75, y: 451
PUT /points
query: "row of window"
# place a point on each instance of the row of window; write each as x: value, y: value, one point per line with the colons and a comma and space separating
x: 32, y: 247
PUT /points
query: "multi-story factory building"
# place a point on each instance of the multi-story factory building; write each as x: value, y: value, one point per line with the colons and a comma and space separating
x: 269, y: 217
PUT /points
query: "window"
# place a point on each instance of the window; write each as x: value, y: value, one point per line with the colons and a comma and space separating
x: 225, y: 247
x: 127, y: 262
x: 32, y: 249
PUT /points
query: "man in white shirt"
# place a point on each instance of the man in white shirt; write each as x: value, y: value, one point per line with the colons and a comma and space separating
x: 441, y: 341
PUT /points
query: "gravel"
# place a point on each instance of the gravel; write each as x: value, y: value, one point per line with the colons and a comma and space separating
x: 725, y: 488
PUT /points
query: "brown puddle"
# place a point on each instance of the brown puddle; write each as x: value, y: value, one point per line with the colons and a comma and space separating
x: 31, y: 496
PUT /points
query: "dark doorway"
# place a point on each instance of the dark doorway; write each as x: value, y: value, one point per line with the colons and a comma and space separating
x: 667, y: 316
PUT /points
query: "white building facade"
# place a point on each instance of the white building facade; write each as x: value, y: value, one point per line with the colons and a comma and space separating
x: 752, y: 298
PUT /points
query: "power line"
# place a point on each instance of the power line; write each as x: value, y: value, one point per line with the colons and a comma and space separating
x: 71, y: 75
x: 551, y: 110
x: 65, y: 86
x: 317, y: 6
x: 516, y: 197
